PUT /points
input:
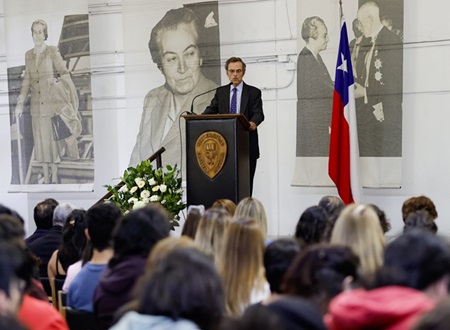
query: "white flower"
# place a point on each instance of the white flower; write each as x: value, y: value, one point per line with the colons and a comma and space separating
x: 141, y: 184
x: 133, y: 190
x: 154, y: 198
x: 133, y: 200
x: 146, y: 200
x: 152, y: 182
x: 163, y: 202
x: 137, y: 180
x: 163, y: 188
x: 138, y: 205
x: 123, y: 189
x: 145, y: 194
x: 155, y: 188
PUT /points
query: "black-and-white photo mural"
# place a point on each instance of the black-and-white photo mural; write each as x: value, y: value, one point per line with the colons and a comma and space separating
x: 376, y: 42
x: 49, y: 83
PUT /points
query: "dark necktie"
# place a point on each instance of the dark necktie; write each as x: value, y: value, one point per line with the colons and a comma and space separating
x: 233, y: 106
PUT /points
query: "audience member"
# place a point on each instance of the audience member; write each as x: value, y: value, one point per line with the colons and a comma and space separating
x: 384, y: 222
x: 436, y: 319
x: 359, y: 228
x: 278, y: 256
x: 194, y: 213
x: 311, y: 226
x: 418, y: 203
x: 241, y: 266
x: 101, y: 219
x: 133, y: 239
x: 182, y: 291
x: 252, y: 208
x: 332, y: 204
x: 420, y: 219
x: 44, y: 247
x: 321, y: 272
x: 43, y: 216
x: 226, y: 204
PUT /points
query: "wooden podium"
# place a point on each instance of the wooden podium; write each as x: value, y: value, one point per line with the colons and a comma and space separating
x: 217, y: 158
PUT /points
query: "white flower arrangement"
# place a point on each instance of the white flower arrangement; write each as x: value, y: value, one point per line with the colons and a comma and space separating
x: 143, y: 184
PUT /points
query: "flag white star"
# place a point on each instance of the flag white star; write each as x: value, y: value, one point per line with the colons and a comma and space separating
x: 343, y: 65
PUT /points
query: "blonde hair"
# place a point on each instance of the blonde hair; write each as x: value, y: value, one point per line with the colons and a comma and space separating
x: 359, y: 228
x: 211, y: 231
x: 241, y: 265
x: 252, y: 208
x: 226, y: 204
x: 164, y: 247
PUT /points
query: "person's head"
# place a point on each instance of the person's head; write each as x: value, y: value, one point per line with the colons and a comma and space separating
x: 101, y: 219
x: 61, y: 213
x: 184, y: 284
x: 332, y: 204
x: 211, y: 231
x: 420, y: 260
x: 235, y: 69
x: 252, y: 208
x: 358, y: 227
x: 315, y: 34
x: 418, y: 203
x: 356, y: 27
x: 384, y: 222
x: 39, y: 32
x: 321, y: 272
x: 6, y: 210
x: 43, y: 213
x: 436, y: 319
x: 138, y: 232
x: 241, y: 265
x: 421, y: 220
x: 73, y: 238
x: 174, y: 48
x: 311, y: 225
x: 369, y: 18
x: 194, y: 213
x: 278, y: 257
x: 225, y: 204
x: 11, y: 229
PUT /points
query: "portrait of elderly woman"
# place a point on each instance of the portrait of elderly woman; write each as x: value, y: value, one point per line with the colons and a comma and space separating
x: 174, y: 48
x: 49, y: 87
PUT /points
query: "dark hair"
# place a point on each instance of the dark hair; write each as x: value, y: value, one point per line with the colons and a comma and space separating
x: 44, y: 24
x: 384, y: 222
x: 317, y: 273
x: 184, y: 285
x: 420, y: 219
x: 101, y: 220
x: 170, y: 22
x: 235, y: 60
x: 416, y: 260
x: 139, y: 231
x: 43, y: 213
x: 332, y: 204
x: 257, y: 316
x: 7, y: 210
x: 11, y: 229
x: 436, y: 319
x: 418, y: 203
x: 11, y: 260
x: 278, y: 256
x: 73, y: 239
x: 309, y: 27
x: 191, y: 224
x: 311, y: 225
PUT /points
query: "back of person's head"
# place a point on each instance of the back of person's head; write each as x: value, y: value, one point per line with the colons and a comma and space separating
x: 257, y: 316
x: 332, y: 204
x: 61, y: 213
x: 318, y: 273
x: 417, y: 259
x: 420, y: 219
x: 436, y: 319
x: 194, y: 213
x: 252, y: 208
x: 73, y: 238
x: 384, y: 221
x: 419, y: 203
x: 278, y: 256
x: 11, y: 229
x: 311, y: 225
x: 226, y: 204
x: 6, y: 210
x: 101, y: 220
x: 43, y: 213
x: 185, y: 284
x: 139, y: 231
x: 358, y: 227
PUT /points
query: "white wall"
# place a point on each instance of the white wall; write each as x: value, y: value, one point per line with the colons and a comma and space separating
x: 264, y: 33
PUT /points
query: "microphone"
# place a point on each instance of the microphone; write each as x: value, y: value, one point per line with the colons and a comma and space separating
x: 192, y: 103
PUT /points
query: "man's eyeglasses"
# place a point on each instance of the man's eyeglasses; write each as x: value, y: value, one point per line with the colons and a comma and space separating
x: 238, y: 71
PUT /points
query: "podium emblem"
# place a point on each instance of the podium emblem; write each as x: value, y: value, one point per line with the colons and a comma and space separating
x: 211, y: 152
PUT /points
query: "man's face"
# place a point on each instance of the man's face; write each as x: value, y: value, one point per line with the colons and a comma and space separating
x: 365, y: 23
x: 322, y: 38
x: 180, y: 59
x: 235, y: 73
x: 38, y: 35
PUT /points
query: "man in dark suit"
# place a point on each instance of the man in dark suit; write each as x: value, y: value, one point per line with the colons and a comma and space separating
x: 238, y: 97
x: 43, y: 217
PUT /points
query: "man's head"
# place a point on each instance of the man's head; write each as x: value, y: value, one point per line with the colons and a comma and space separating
x: 43, y: 213
x: 315, y: 34
x: 356, y: 27
x: 61, y: 213
x: 369, y: 18
x: 101, y: 220
x: 174, y: 48
x: 235, y: 68
x: 418, y: 203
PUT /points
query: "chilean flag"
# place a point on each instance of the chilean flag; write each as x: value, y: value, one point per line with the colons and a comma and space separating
x: 344, y: 151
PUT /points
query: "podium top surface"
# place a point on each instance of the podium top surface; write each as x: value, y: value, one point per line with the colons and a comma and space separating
x: 240, y: 117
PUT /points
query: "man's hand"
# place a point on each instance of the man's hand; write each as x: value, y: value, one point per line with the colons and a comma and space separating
x: 19, y: 109
x: 252, y: 126
x: 360, y: 91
